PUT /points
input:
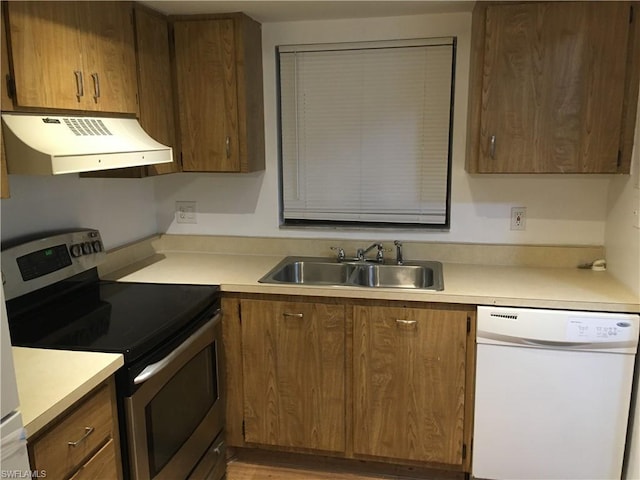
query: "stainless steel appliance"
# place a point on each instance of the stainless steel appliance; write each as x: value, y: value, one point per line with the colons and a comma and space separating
x: 170, y: 400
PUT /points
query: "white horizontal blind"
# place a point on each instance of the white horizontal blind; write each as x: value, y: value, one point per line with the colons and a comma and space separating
x: 365, y: 131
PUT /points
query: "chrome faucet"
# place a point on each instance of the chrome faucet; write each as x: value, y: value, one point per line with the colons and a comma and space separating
x: 399, y: 256
x: 341, y: 255
x: 360, y: 253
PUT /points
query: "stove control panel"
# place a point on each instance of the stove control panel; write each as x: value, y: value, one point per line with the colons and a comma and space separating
x: 35, y: 262
x: 87, y: 247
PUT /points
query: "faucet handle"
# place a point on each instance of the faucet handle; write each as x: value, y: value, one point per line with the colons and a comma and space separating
x: 340, y: 251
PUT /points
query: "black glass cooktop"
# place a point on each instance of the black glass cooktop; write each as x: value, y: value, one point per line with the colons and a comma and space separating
x: 115, y: 317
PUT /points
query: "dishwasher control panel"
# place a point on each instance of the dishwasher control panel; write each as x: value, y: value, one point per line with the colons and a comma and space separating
x: 598, y: 329
x: 545, y: 328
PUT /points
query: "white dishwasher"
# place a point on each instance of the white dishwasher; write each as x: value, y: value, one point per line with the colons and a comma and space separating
x: 552, y: 396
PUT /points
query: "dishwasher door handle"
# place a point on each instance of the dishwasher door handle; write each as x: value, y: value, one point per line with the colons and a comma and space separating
x: 550, y: 344
x: 484, y: 337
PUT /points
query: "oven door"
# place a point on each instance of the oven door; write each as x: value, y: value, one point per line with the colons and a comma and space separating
x: 177, y: 411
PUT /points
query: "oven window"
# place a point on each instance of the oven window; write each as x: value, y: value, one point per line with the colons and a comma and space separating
x: 177, y: 409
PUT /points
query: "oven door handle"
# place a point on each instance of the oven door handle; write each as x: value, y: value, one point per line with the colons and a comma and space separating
x: 155, y: 368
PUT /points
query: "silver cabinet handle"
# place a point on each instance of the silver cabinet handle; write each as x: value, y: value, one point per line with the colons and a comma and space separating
x: 155, y: 368
x: 79, y: 84
x: 96, y: 86
x: 406, y: 323
x: 87, y: 431
x: 218, y: 448
x: 293, y: 315
x: 227, y: 144
x: 492, y: 147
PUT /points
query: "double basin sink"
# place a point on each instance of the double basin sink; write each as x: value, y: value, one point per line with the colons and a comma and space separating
x: 422, y: 275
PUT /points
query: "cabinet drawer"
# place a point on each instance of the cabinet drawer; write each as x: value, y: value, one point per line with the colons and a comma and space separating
x: 213, y: 464
x: 88, y: 426
x: 101, y: 465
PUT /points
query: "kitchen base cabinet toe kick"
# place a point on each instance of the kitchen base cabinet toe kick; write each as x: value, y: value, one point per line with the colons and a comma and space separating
x: 385, y: 382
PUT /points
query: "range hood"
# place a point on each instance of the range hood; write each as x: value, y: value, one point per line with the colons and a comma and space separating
x: 57, y: 144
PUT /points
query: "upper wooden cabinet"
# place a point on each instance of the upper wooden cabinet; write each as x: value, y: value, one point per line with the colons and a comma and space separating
x: 155, y: 92
x: 218, y: 68
x: 554, y: 87
x: 73, y: 55
x: 5, y: 104
x: 154, y: 83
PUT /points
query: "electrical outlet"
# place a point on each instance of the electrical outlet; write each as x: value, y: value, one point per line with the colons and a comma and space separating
x: 518, y: 218
x: 186, y: 212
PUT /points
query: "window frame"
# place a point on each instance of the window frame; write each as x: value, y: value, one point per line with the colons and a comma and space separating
x: 285, y: 223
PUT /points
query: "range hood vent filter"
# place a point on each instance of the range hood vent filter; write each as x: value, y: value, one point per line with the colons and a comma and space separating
x: 87, y: 126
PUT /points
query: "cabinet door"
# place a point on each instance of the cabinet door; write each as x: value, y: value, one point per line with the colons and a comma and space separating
x: 154, y: 82
x: 89, y: 424
x: 409, y: 383
x: 294, y: 374
x: 73, y: 55
x: 46, y: 49
x: 101, y: 465
x: 5, y: 102
x: 108, y: 56
x: 205, y: 61
x: 553, y: 87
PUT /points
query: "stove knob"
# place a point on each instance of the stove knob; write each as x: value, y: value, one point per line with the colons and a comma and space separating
x: 86, y: 248
x: 97, y: 246
x: 76, y: 250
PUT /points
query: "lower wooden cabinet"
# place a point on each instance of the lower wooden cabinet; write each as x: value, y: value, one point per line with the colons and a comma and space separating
x: 293, y: 358
x: 101, y: 465
x: 409, y: 383
x: 83, y: 444
x: 381, y: 381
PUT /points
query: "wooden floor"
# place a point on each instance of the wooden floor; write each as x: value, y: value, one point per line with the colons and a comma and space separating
x: 272, y: 466
x: 245, y: 471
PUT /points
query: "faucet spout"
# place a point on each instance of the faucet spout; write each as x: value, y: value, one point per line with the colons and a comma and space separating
x: 399, y: 255
x: 361, y: 252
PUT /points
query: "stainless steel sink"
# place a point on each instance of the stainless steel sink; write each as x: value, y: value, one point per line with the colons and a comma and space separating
x: 312, y: 272
x: 401, y: 276
x: 425, y: 275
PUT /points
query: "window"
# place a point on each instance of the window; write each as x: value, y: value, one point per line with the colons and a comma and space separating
x: 366, y: 133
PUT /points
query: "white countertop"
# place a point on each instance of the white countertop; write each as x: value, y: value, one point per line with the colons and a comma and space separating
x: 50, y: 381
x: 517, y: 286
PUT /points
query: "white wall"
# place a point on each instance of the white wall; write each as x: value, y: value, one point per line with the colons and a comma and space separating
x: 122, y: 209
x: 560, y: 209
x: 622, y: 246
x: 622, y: 238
